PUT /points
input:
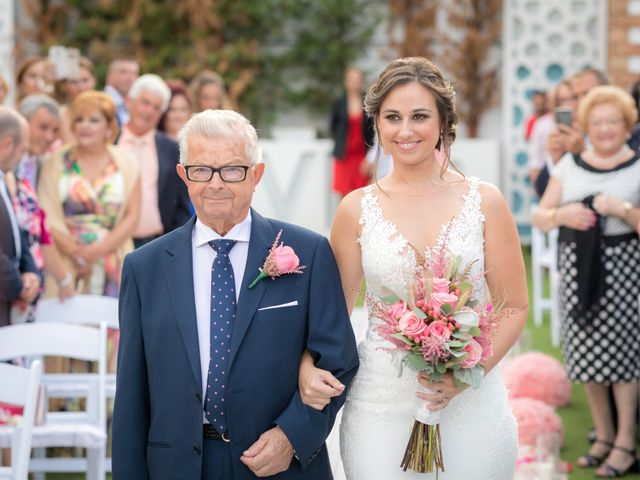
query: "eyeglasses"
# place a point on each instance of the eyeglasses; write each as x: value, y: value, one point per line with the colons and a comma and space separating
x: 228, y: 173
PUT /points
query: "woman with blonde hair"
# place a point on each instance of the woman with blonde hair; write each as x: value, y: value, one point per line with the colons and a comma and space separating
x: 91, y: 193
x: 35, y: 76
x: 208, y: 92
x: 593, y: 197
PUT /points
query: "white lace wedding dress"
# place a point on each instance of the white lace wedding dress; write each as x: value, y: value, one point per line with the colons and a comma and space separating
x: 479, y: 434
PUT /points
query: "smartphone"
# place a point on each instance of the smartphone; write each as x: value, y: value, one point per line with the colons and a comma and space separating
x: 564, y: 116
x: 65, y: 61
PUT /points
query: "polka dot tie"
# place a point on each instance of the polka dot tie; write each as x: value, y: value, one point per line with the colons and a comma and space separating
x: 223, y: 312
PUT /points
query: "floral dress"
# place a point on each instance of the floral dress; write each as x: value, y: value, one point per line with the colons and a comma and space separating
x: 91, y: 209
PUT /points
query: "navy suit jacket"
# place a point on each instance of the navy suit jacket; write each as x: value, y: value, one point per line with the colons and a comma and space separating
x: 11, y: 275
x: 158, y: 416
x: 173, y: 199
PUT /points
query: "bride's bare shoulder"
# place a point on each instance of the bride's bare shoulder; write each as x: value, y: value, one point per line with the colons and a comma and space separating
x: 350, y: 205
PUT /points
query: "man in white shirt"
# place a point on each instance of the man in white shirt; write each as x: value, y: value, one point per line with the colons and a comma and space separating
x: 209, y: 353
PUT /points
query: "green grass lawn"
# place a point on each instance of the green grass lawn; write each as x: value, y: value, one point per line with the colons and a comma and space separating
x: 576, y: 418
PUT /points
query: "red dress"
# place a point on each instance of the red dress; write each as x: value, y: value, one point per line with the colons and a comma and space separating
x: 346, y: 171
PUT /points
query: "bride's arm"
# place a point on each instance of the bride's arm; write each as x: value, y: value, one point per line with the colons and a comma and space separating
x: 505, y: 275
x: 318, y: 386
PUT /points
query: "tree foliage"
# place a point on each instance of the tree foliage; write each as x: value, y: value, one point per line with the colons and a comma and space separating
x: 417, y: 19
x: 271, y: 53
x: 466, y: 56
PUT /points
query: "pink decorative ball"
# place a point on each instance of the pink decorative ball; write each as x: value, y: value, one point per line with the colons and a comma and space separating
x: 539, y: 376
x: 534, y: 417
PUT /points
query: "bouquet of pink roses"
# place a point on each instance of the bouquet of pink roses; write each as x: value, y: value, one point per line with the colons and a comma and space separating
x: 440, y: 327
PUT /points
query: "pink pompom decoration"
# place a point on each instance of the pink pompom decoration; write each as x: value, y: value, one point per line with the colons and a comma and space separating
x: 534, y: 417
x: 539, y: 376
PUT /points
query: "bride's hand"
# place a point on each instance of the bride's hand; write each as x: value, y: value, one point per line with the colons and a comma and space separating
x: 444, y: 390
x: 317, y: 387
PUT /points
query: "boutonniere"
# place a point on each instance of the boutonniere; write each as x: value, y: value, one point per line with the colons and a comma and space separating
x: 281, y: 260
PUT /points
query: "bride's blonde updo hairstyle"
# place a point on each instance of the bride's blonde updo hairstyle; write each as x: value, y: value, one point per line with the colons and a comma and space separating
x: 426, y: 73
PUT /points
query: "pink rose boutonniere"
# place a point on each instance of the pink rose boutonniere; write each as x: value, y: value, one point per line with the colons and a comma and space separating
x: 281, y: 260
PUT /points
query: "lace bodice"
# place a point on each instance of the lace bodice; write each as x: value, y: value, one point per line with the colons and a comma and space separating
x: 478, y: 428
x: 389, y: 261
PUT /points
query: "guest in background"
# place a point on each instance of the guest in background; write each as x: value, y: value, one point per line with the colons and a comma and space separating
x: 178, y: 112
x: 35, y: 76
x: 121, y: 74
x: 43, y: 114
x: 72, y: 87
x: 540, y: 107
x: 19, y: 280
x: 208, y: 92
x: 352, y: 133
x: 165, y: 202
x: 543, y: 155
x: 90, y: 191
x: 593, y: 197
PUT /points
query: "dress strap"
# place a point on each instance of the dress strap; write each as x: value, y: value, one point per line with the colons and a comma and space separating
x: 370, y: 210
x: 472, y: 209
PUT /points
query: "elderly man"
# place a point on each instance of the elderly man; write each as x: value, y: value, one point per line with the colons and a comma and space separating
x: 209, y: 351
x: 121, y: 74
x: 165, y: 203
x: 18, y: 272
x: 43, y: 114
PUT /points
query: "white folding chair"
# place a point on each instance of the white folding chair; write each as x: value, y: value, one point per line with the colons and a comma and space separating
x: 84, y: 310
x: 20, y: 388
x: 544, y: 260
x: 84, y: 429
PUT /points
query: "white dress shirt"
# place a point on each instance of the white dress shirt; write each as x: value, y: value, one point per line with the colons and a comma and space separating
x: 203, y: 256
x: 4, y: 194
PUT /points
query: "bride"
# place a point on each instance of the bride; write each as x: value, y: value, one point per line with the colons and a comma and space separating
x: 376, y: 234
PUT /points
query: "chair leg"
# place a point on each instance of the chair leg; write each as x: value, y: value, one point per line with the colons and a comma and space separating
x: 96, y: 463
x: 39, y: 453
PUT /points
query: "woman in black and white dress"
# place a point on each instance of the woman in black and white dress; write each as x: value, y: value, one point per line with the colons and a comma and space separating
x: 593, y: 197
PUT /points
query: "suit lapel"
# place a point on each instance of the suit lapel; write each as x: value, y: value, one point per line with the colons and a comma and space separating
x: 262, y: 236
x: 178, y: 274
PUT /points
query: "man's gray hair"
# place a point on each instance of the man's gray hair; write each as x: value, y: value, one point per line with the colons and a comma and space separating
x: 30, y: 105
x: 153, y: 84
x: 10, y: 123
x: 220, y: 123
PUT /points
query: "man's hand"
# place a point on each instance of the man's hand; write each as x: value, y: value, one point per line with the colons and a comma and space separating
x: 270, y: 454
x: 30, y: 287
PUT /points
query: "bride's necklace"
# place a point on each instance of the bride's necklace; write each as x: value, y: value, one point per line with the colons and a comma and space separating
x: 621, y: 155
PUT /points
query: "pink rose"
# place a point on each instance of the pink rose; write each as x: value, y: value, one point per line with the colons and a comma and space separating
x: 474, y: 353
x: 285, y: 259
x: 396, y: 310
x: 411, y: 326
x: 440, y: 285
x: 440, y: 330
x: 438, y: 299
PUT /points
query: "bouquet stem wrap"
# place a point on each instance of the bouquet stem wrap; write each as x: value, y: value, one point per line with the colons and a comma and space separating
x: 424, y: 450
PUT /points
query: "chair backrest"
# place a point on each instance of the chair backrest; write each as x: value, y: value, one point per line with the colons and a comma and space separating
x: 20, y: 388
x: 79, y: 342
x: 82, y: 309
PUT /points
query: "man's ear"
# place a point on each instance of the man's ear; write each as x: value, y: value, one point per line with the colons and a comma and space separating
x: 182, y: 173
x: 258, y: 172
